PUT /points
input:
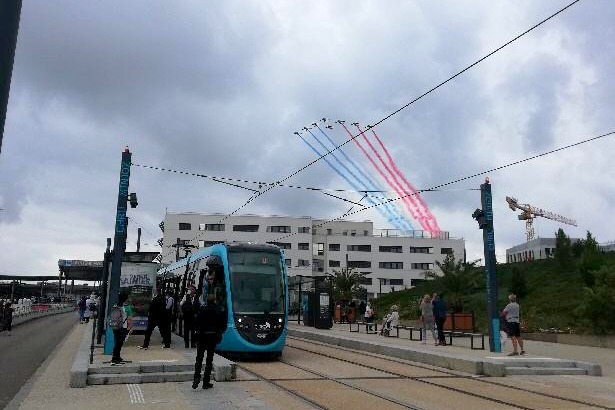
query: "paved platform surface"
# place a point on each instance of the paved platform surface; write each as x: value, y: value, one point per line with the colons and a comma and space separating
x: 461, y: 347
x: 49, y: 386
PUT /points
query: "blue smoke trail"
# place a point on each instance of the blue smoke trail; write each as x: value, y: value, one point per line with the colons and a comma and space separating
x: 368, y: 182
x: 387, y: 213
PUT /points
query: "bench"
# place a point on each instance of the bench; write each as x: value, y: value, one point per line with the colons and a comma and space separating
x: 368, y: 327
x: 471, y: 335
x: 412, y: 330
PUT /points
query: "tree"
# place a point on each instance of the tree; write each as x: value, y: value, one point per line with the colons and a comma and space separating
x: 563, y: 249
x: 597, y: 310
x: 456, y: 280
x: 591, y: 259
x: 518, y: 283
x: 346, y: 283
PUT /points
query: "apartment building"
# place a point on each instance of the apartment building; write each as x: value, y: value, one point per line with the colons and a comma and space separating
x: 389, y: 259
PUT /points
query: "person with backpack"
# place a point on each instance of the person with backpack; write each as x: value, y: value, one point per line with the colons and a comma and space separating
x: 189, y: 308
x: 120, y: 321
x: 210, y: 325
x: 156, y: 318
x: 439, y: 313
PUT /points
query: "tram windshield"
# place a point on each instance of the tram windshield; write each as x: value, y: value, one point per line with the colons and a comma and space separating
x: 257, y: 284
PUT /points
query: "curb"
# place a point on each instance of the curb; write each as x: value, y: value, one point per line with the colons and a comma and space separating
x: 79, y: 369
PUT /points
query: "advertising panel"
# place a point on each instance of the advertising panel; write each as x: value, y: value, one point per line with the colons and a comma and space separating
x: 138, y: 280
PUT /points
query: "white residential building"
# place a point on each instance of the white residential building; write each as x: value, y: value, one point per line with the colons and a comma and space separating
x: 390, y: 260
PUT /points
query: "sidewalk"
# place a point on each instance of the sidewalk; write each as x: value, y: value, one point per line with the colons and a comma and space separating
x: 49, y: 387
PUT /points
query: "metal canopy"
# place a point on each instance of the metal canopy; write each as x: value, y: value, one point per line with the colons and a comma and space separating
x: 80, y: 270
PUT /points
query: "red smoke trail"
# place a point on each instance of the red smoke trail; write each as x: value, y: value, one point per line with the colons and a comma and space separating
x: 435, y: 228
x: 408, y: 196
x: 384, y: 176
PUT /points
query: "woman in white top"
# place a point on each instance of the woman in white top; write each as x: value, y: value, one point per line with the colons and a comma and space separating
x: 390, y: 320
x: 427, y: 319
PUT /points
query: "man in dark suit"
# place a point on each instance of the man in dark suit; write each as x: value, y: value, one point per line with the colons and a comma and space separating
x: 210, y: 325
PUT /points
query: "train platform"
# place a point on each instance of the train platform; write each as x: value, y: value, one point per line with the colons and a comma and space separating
x: 50, y: 387
x: 542, y: 358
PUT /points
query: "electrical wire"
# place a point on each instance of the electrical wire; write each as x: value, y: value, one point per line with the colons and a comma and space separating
x: 252, y: 198
x: 498, y: 168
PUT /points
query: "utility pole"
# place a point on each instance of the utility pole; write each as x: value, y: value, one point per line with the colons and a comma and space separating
x: 484, y: 217
x: 10, y: 12
x: 138, y: 239
x: 119, y: 242
x: 103, y: 297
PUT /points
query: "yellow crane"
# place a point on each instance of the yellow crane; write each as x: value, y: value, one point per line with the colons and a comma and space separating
x: 529, y: 212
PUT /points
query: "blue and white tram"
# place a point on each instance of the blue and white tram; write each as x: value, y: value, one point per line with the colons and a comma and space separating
x: 251, y: 284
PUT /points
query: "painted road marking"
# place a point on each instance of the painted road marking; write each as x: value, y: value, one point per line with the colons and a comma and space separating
x: 135, y: 393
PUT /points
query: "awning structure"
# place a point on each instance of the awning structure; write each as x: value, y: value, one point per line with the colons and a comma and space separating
x: 25, y: 278
x: 80, y: 270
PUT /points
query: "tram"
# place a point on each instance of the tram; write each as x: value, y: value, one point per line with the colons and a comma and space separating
x: 250, y: 284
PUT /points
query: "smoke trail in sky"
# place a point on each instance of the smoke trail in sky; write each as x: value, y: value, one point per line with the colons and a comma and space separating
x: 408, y: 195
x: 365, y: 178
x: 386, y: 214
x: 433, y: 223
x: 409, y: 205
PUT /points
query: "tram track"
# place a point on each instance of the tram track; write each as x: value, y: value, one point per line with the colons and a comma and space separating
x: 448, y: 374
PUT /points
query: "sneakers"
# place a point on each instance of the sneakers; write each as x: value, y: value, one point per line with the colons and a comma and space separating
x: 523, y: 353
x: 142, y: 347
x: 513, y: 354
x: 207, y: 385
x: 166, y: 347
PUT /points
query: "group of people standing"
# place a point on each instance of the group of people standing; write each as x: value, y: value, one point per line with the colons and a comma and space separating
x: 433, y: 315
x: 88, y: 306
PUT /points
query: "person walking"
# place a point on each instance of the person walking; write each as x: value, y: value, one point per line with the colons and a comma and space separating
x: 368, y: 315
x: 120, y: 312
x: 427, y: 319
x: 390, y: 321
x: 189, y: 307
x: 156, y: 318
x: 210, y: 326
x: 82, y: 306
x: 6, y: 317
x: 87, y: 313
x: 439, y: 313
x: 512, y: 314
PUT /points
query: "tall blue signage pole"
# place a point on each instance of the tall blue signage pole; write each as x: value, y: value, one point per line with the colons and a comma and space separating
x: 119, y: 243
x: 484, y: 217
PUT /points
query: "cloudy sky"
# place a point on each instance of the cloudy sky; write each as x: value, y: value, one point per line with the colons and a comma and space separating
x: 220, y: 87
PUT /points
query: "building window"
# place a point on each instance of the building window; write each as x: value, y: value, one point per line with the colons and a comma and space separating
x: 319, y: 249
x: 184, y: 226
x: 391, y: 265
x: 419, y: 249
x: 334, y: 247
x: 329, y: 232
x: 422, y: 266
x: 365, y: 281
x: 359, y: 264
x: 281, y: 245
x: 359, y: 248
x: 414, y: 282
x: 214, y: 227
x: 303, y: 262
x: 304, y: 229
x: 211, y: 243
x: 334, y: 264
x: 278, y: 229
x: 345, y: 233
x: 201, y: 227
x: 446, y: 251
x: 303, y: 246
x: 245, y: 228
x: 391, y: 249
x: 318, y: 265
x: 353, y: 233
x: 365, y: 233
x: 288, y: 262
x: 396, y: 282
x: 201, y: 244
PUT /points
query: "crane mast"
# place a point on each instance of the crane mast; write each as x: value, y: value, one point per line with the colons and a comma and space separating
x: 529, y: 212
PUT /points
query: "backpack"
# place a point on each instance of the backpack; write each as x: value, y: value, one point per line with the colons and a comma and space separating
x: 116, y: 320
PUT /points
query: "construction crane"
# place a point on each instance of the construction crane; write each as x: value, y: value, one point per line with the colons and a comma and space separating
x: 529, y: 212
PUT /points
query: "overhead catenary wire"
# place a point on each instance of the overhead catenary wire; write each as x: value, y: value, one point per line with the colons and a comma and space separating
x: 457, y: 180
x: 390, y: 115
x: 387, y: 117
